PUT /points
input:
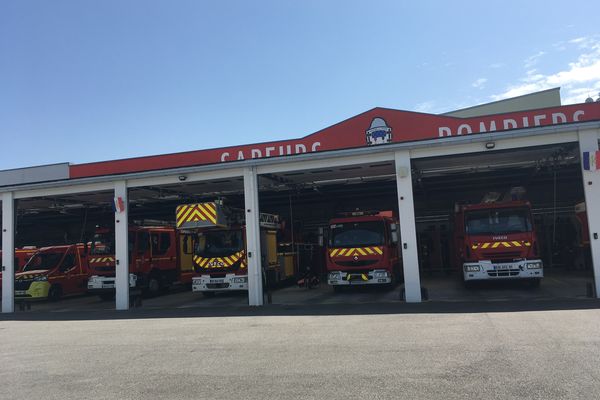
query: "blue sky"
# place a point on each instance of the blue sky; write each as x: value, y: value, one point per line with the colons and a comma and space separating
x: 84, y: 81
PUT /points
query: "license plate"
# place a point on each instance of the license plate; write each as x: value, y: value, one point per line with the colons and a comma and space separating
x: 217, y: 280
x: 502, y: 267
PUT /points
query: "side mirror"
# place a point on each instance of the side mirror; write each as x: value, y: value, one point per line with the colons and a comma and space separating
x: 394, y: 231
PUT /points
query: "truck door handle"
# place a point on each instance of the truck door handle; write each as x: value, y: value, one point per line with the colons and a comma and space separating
x: 595, y: 235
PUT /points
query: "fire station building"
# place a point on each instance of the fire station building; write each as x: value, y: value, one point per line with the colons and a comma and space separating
x: 418, y: 165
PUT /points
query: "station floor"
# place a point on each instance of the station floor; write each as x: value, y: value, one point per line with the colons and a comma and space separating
x: 556, y: 285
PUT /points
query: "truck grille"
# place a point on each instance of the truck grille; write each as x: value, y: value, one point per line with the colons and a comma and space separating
x: 217, y: 285
x: 22, y: 284
x: 104, y: 269
x: 504, y: 273
x: 505, y: 256
x: 359, y: 263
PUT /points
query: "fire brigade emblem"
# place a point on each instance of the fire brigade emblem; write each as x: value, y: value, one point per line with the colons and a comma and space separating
x: 355, y: 257
x: 379, y: 132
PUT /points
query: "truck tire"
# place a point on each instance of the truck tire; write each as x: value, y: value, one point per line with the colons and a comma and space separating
x: 153, y: 287
x: 54, y: 293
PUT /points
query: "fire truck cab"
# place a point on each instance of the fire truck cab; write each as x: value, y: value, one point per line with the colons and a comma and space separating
x: 53, y: 272
x: 497, y: 240
x: 363, y: 249
x: 158, y: 257
x: 220, y: 260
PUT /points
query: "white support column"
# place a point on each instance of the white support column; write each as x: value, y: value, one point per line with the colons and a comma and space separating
x: 8, y: 252
x: 255, y: 282
x: 588, y: 141
x: 408, y: 231
x: 122, y: 247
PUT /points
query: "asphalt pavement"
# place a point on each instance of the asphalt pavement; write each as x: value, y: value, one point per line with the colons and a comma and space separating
x: 434, y: 350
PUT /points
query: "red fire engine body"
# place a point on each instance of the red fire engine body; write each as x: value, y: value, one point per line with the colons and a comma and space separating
x: 363, y: 249
x: 497, y: 240
x: 22, y: 255
x: 158, y: 257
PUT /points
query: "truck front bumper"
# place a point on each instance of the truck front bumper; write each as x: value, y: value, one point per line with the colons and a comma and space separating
x: 487, y: 270
x: 373, y: 277
x: 103, y: 284
x: 36, y: 291
x: 205, y: 283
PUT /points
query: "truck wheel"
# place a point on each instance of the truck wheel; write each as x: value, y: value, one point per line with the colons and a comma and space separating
x: 153, y: 288
x: 55, y: 293
x: 208, y: 295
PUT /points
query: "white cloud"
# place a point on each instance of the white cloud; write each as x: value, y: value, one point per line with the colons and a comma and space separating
x: 479, y: 83
x: 579, y: 78
x: 425, y: 107
x: 533, y: 60
x: 497, y: 65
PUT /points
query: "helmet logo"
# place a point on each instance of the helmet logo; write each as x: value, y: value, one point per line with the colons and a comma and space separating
x: 379, y: 132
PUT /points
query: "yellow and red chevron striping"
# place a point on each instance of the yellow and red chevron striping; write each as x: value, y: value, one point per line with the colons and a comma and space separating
x: 196, y: 212
x: 221, y: 262
x: 495, y: 245
x: 356, y: 251
x: 102, y: 259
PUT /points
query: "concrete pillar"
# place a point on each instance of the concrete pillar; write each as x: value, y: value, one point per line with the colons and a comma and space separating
x: 252, y: 211
x: 408, y: 231
x: 588, y: 142
x: 121, y: 246
x: 8, y: 252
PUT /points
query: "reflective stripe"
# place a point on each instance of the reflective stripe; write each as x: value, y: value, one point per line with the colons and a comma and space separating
x: 353, y: 251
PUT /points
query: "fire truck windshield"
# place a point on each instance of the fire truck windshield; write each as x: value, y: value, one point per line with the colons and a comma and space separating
x: 45, y: 261
x: 219, y: 243
x: 498, y: 221
x: 354, y: 234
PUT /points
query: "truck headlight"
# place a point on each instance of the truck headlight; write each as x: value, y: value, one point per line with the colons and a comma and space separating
x: 42, y: 278
x: 380, y: 274
x: 471, y: 268
x: 535, y: 265
x: 335, y: 276
x: 240, y: 280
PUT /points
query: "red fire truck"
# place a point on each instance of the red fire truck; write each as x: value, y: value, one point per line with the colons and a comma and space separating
x: 158, y: 257
x: 220, y: 260
x: 363, y: 249
x: 497, y: 240
x: 53, y: 272
x: 22, y: 255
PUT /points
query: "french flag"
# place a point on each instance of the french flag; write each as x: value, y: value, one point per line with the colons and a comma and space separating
x: 591, y: 160
x: 118, y: 205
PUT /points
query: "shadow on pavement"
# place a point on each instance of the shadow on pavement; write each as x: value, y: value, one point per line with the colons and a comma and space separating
x: 429, y: 307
